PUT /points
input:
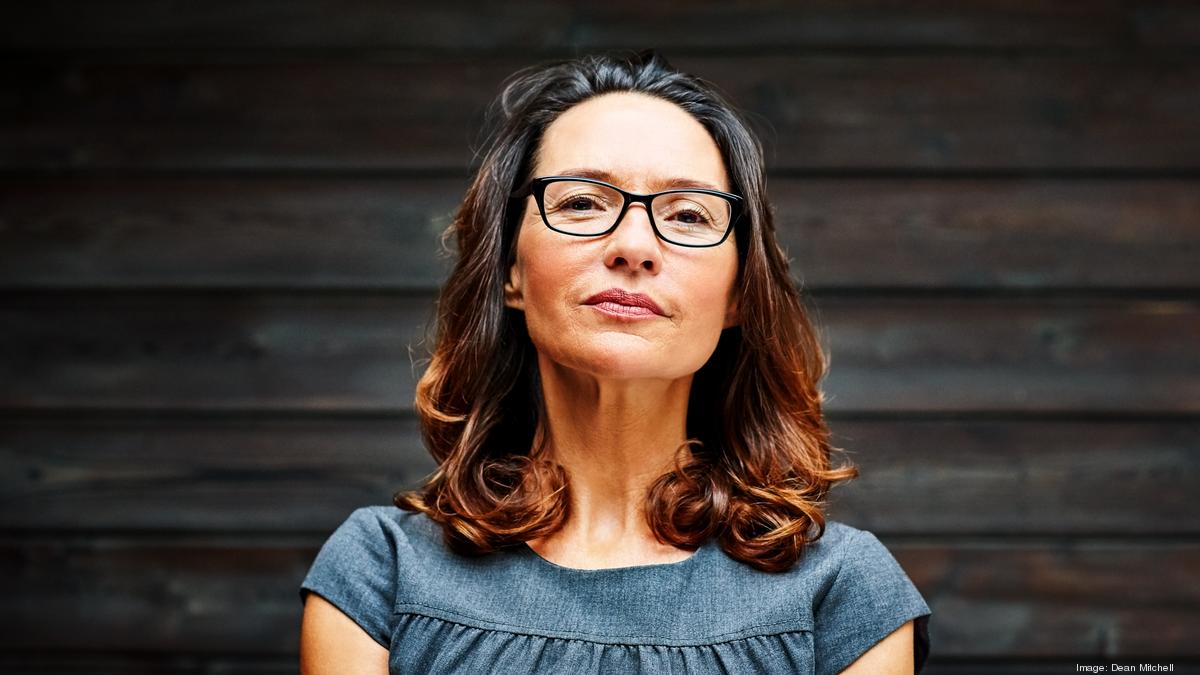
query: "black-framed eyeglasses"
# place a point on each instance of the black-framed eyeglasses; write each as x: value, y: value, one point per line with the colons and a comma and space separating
x: 585, y: 207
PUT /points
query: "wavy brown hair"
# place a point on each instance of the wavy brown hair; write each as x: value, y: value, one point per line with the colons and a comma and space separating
x: 756, y: 468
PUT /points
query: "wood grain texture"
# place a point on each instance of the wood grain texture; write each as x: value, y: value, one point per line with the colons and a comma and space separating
x: 936, y: 477
x: 106, y: 663
x: 231, y: 233
x: 383, y: 233
x: 217, y: 352
x: 259, y: 474
x: 189, y: 594
x: 829, y: 113
x: 1078, y: 598
x: 1053, y: 477
x: 703, y: 25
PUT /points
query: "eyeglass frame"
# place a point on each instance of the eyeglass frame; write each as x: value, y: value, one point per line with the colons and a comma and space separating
x: 537, y: 187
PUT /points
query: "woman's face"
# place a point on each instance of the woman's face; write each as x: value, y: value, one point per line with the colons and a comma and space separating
x: 641, y: 142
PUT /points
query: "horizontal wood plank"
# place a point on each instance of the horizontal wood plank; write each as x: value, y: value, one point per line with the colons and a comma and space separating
x: 1020, y: 476
x: 1067, y: 598
x: 225, y: 232
x: 194, y: 595
x: 543, y: 25
x: 114, y: 233
x: 1061, y: 355
x: 952, y: 477
x: 263, y: 352
x: 105, y: 662
x: 817, y: 113
x: 228, y: 595
x: 203, y: 475
x: 214, y: 352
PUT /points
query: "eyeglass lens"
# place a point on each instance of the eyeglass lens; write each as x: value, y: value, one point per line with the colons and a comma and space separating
x: 688, y: 218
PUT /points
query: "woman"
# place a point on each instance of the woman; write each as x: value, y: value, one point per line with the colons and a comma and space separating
x: 623, y: 405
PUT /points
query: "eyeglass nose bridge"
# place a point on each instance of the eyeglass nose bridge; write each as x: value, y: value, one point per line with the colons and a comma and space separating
x: 630, y: 199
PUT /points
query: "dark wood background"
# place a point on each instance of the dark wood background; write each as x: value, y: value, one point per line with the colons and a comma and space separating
x: 218, y: 230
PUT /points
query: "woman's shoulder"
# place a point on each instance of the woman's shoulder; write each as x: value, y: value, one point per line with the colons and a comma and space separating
x: 388, y: 526
x: 868, y: 597
x: 822, y: 557
x: 842, y: 539
x: 835, y: 539
x: 846, y: 575
x: 857, y: 556
x: 386, y: 516
x: 863, y: 569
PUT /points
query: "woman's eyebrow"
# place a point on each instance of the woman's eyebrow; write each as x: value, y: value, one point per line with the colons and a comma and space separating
x: 662, y: 183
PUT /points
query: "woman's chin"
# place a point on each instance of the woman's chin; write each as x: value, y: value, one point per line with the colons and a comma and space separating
x: 630, y: 362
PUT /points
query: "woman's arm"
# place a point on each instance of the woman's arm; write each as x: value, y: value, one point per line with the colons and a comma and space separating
x: 893, y: 655
x: 331, y: 643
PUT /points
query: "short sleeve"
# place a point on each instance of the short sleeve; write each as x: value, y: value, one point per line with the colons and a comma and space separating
x: 870, y: 597
x: 355, y: 570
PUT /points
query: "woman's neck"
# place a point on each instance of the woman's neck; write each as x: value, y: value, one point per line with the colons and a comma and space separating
x: 614, y: 438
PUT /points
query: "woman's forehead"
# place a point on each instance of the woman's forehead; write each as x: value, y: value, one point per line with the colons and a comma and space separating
x: 632, y: 138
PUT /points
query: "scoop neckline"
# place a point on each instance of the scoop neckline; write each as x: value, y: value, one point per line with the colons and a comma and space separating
x: 615, y: 570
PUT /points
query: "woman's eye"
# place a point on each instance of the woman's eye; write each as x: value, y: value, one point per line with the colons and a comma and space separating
x: 691, y: 218
x: 579, y: 203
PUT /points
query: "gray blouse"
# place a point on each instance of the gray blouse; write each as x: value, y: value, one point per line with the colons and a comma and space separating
x: 513, y: 611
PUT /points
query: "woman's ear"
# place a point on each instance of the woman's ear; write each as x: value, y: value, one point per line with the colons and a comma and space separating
x: 731, y: 312
x: 513, y: 296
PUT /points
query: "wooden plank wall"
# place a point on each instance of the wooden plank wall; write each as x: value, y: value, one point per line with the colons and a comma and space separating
x: 218, y: 233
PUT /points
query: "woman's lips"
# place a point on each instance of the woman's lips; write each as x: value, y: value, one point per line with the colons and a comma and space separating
x: 623, y: 311
x: 625, y: 303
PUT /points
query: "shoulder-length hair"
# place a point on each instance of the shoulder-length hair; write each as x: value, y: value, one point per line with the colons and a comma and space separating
x: 755, y: 470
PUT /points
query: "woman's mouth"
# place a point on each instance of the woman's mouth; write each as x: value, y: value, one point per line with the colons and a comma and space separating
x: 623, y: 311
